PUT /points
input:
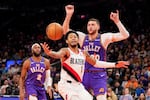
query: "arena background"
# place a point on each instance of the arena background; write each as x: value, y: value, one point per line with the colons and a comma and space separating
x: 23, y: 22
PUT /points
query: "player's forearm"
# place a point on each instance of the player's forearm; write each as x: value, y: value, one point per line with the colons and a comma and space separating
x: 21, y: 85
x: 55, y: 55
x: 122, y: 30
x: 48, y: 78
x: 102, y: 64
x: 66, y: 24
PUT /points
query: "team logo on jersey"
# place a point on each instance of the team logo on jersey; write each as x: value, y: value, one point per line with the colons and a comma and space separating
x: 92, y: 47
x: 77, y: 61
x: 37, y: 68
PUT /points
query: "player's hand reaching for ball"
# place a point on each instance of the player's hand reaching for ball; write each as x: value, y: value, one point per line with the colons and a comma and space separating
x: 45, y: 48
x: 114, y: 16
x: 122, y: 64
x: 69, y: 9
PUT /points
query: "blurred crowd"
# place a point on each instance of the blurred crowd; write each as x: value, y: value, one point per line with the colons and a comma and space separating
x: 136, y: 79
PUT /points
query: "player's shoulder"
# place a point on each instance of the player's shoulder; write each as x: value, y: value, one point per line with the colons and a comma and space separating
x: 85, y: 53
x: 26, y: 62
x: 65, y: 49
x: 45, y: 59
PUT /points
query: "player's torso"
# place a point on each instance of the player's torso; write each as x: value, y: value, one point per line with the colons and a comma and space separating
x: 36, y: 72
x: 75, y: 62
x: 95, y: 49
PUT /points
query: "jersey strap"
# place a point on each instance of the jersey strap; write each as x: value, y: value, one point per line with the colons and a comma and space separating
x: 71, y: 72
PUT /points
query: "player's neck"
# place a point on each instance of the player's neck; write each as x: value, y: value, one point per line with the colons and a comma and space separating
x: 36, y: 58
x: 93, y: 36
x: 75, y: 49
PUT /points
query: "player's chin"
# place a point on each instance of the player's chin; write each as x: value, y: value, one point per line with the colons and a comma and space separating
x: 90, y: 32
x: 73, y: 45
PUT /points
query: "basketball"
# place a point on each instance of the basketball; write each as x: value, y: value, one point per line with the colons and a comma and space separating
x: 54, y: 31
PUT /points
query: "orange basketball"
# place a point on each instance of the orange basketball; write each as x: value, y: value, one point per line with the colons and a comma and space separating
x: 54, y: 31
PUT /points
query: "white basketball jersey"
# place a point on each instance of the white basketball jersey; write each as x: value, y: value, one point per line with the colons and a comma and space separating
x: 73, y: 66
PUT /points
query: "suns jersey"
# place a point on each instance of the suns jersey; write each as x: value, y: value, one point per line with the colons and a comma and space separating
x: 73, y: 66
x: 95, y: 49
x: 36, y: 73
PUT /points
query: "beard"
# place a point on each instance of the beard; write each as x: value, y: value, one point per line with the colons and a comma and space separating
x: 73, y: 46
x: 36, y: 54
x: 93, y: 32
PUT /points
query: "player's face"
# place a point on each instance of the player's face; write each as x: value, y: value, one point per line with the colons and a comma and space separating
x: 92, y: 27
x: 72, y: 40
x: 36, y: 50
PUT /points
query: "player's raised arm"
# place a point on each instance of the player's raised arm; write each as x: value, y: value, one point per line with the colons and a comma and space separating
x: 102, y: 64
x: 123, y: 33
x: 114, y: 37
x: 57, y: 55
x: 26, y: 64
x: 66, y: 24
x: 69, y: 12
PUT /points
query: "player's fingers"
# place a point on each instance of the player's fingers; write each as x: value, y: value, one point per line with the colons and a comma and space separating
x: 111, y: 15
x: 125, y: 66
x: 117, y: 12
x: 70, y: 6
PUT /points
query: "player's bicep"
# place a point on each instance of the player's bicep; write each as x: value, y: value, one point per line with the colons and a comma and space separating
x: 47, y: 62
x: 81, y: 38
x: 60, y: 54
x: 24, y: 69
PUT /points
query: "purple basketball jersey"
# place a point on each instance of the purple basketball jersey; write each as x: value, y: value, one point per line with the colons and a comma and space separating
x: 95, y: 49
x: 95, y: 78
x: 36, y: 73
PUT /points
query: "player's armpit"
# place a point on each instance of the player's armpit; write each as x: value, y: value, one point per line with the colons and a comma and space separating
x: 81, y: 38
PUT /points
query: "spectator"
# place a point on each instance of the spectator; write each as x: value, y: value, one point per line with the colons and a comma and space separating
x: 132, y: 83
x: 110, y: 94
x: 124, y: 82
x: 117, y: 78
x: 139, y: 90
x: 126, y: 95
x: 3, y: 87
x: 13, y: 88
x: 142, y: 97
x: 148, y: 94
x: 109, y: 76
x: 117, y: 89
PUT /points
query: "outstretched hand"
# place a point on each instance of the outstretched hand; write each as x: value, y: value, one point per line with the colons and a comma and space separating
x: 114, y: 16
x: 122, y: 64
x: 45, y: 48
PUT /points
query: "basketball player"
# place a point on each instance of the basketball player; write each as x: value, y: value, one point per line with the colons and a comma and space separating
x: 35, y: 71
x: 95, y: 79
x: 73, y: 61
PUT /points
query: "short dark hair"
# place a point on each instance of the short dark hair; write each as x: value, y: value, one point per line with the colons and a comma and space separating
x: 94, y: 19
x: 69, y: 32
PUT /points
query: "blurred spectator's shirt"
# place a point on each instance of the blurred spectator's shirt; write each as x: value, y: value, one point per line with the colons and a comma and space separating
x: 138, y: 91
x: 126, y: 97
x: 133, y: 85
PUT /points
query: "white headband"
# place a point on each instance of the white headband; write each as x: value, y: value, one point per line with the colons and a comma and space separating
x: 35, y: 44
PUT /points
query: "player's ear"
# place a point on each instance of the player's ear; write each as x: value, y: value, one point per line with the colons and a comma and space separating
x: 98, y: 26
x: 67, y: 41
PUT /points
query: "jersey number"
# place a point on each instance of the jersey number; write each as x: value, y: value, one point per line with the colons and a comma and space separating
x: 39, y: 77
x: 96, y: 56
